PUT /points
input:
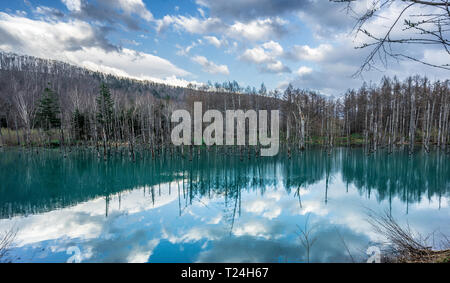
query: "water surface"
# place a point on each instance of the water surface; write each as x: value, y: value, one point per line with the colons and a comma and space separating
x: 215, y: 208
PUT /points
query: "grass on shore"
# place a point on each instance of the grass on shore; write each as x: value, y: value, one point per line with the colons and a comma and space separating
x: 18, y: 138
x: 52, y: 138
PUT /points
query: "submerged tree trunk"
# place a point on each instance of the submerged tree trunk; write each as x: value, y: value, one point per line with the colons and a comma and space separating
x: 2, y: 141
x: 302, y: 129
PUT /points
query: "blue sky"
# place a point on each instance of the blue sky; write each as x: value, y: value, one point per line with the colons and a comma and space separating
x: 307, y: 43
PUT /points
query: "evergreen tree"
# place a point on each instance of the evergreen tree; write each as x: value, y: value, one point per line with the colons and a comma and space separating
x: 263, y: 90
x: 48, y: 110
x: 78, y: 124
x: 104, y: 106
x: 288, y: 93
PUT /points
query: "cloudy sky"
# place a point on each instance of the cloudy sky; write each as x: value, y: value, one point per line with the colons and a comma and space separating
x: 308, y: 43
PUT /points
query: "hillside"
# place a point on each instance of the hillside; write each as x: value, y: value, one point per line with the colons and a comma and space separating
x: 145, y: 105
x: 20, y: 67
x: 391, y: 113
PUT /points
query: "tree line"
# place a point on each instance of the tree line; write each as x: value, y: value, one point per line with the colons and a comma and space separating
x: 57, y: 105
x: 415, y: 110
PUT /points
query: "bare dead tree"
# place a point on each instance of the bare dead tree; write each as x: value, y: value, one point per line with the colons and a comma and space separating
x: 393, y: 113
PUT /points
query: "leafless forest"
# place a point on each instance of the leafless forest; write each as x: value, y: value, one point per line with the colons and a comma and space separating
x: 50, y: 103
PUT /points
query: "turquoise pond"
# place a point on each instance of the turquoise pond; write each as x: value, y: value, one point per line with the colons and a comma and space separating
x: 215, y: 208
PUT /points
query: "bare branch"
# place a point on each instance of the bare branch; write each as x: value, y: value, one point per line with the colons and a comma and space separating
x: 429, y: 28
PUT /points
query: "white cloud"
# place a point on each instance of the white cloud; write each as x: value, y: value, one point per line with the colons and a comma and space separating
x: 46, y: 11
x: 266, y: 56
x: 304, y: 52
x: 36, y: 37
x: 256, y: 55
x: 276, y: 67
x: 184, y: 51
x: 73, y: 5
x: 189, y: 24
x: 202, y: 13
x: 257, y: 30
x: 211, y: 67
x: 135, y: 7
x: 265, y: 53
x: 214, y: 41
x: 274, y: 48
x: 304, y: 71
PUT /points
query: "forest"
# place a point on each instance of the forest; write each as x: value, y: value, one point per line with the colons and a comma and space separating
x: 45, y: 103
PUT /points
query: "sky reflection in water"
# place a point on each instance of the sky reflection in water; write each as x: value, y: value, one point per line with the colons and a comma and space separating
x: 216, y: 208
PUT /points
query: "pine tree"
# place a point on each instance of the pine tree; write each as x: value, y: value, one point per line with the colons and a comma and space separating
x: 104, y: 107
x: 78, y: 124
x: 263, y: 90
x: 105, y: 114
x: 48, y: 110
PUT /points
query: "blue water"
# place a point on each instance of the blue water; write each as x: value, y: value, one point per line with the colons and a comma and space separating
x: 215, y: 208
